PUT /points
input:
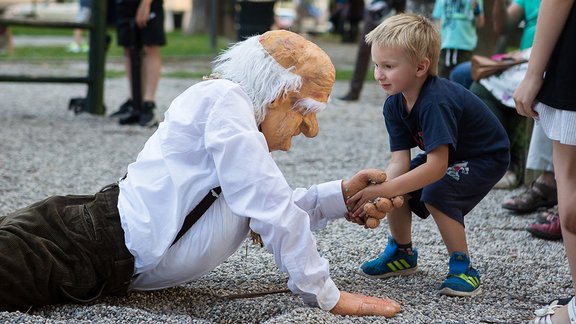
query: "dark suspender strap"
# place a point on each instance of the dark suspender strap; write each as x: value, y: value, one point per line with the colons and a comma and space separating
x: 197, y: 212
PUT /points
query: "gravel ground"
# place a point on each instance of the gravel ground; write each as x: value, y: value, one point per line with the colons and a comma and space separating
x: 47, y: 150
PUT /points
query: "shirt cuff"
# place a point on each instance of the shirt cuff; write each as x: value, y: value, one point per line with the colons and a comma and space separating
x: 328, y: 296
x: 332, y: 200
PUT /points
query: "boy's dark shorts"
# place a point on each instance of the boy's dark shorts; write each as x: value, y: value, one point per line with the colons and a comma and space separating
x: 151, y: 35
x: 463, y: 186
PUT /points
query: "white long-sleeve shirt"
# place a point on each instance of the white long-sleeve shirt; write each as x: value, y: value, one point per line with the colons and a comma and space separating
x: 209, y: 138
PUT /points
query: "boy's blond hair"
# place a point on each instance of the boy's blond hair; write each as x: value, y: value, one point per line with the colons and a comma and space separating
x: 415, y: 34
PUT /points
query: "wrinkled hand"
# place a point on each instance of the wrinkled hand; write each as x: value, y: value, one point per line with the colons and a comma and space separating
x: 376, y: 210
x: 359, y: 181
x: 360, y: 305
x: 355, y: 204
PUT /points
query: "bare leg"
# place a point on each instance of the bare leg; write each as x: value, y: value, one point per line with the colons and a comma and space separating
x: 151, y: 71
x: 547, y: 178
x: 400, y: 224
x: 128, y: 66
x: 564, y: 160
x: 78, y: 36
x: 453, y: 233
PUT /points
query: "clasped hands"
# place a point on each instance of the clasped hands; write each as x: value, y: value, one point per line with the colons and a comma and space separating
x: 361, y: 195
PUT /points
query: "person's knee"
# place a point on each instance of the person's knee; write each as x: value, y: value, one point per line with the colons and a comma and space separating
x: 568, y: 222
x: 400, y: 214
x: 152, y: 51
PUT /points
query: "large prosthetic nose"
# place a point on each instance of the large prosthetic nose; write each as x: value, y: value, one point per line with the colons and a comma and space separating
x: 309, y: 125
x: 304, y: 58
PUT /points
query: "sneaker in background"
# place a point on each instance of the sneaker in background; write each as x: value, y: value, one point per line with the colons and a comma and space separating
x: 462, y: 279
x: 548, y: 230
x: 392, y: 262
x: 84, y: 47
x: 147, y: 116
x: 350, y: 96
x: 124, y: 110
x: 73, y: 48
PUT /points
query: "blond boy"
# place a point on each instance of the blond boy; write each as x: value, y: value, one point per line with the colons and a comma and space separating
x: 465, y: 151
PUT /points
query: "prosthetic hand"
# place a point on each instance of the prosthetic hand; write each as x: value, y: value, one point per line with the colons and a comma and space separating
x: 375, y: 210
x: 360, y: 305
x: 359, y: 181
x: 378, y: 208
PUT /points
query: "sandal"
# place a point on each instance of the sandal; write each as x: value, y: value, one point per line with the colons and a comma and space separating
x: 508, y: 181
x: 538, y: 195
x: 572, y: 311
x: 562, y: 300
x: 544, y: 315
x: 547, y: 215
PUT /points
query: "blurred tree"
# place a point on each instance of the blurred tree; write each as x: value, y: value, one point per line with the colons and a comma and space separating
x: 201, y: 15
x: 199, y: 20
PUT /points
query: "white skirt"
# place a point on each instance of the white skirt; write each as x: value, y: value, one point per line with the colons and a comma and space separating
x: 559, y: 125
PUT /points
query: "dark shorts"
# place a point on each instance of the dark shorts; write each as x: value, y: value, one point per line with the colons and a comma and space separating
x: 129, y: 34
x: 463, y: 186
x: 63, y: 249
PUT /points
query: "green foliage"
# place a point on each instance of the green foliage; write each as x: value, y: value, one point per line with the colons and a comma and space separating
x: 178, y: 45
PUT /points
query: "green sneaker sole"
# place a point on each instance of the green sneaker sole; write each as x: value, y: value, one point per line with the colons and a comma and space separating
x: 405, y: 272
x: 456, y: 293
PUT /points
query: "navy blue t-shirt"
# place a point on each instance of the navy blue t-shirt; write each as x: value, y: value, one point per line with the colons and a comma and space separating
x: 445, y: 113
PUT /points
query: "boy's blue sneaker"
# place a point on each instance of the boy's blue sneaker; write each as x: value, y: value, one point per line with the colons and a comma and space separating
x: 462, y: 280
x: 391, y: 262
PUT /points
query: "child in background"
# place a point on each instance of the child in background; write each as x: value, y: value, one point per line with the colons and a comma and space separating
x: 83, y: 16
x: 465, y: 151
x: 458, y: 20
x: 6, y: 46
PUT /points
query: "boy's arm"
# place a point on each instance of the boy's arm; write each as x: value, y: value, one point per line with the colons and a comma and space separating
x: 400, y: 180
x: 431, y: 171
x: 399, y: 164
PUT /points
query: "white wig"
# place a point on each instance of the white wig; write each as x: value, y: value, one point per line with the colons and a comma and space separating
x: 255, y: 70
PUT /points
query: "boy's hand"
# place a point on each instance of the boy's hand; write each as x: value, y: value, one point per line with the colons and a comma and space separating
x: 361, y: 180
x: 356, y: 203
x: 360, y: 305
x: 377, y: 209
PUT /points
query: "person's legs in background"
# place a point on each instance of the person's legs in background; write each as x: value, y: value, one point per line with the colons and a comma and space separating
x: 462, y: 74
x: 151, y: 64
x: 83, y: 16
x: 449, y: 59
x: 542, y: 191
x: 146, y: 42
x: 362, y: 61
x: 373, y: 16
x: 5, y: 40
x: 564, y: 161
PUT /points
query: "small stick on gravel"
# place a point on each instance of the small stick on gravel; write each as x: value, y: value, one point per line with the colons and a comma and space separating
x: 256, y: 294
